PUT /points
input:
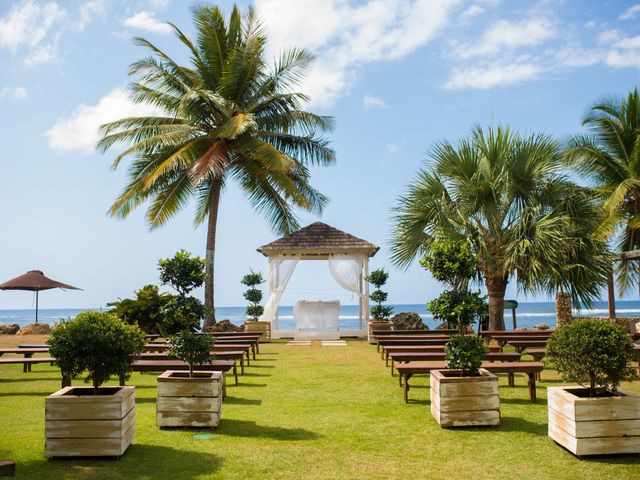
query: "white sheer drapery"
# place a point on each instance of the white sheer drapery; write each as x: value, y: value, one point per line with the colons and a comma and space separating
x: 280, y: 270
x: 346, y: 270
x: 317, y: 315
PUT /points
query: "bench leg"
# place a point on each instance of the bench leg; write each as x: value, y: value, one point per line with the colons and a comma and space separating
x: 392, y: 365
x: 235, y: 372
x: 248, y: 358
x: 532, y: 386
x: 242, y: 365
x: 512, y: 379
x: 386, y: 359
x: 253, y: 350
x: 405, y: 389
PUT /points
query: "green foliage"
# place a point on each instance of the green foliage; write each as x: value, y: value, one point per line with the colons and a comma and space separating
x: 453, y: 263
x: 182, y: 313
x: 593, y: 353
x: 508, y: 196
x: 97, y: 342
x: 253, y: 295
x: 191, y: 348
x: 609, y: 157
x: 465, y: 353
x: 146, y: 310
x: 459, y: 308
x: 183, y: 272
x: 378, y: 278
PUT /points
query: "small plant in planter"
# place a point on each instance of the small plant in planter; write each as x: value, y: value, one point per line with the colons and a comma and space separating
x: 80, y: 421
x: 380, y: 313
x: 254, y: 310
x: 190, y: 399
x: 594, y: 417
x: 464, y: 395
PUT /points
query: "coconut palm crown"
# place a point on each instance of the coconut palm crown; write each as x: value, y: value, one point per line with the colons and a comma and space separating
x: 609, y: 157
x: 505, y: 194
x: 227, y: 115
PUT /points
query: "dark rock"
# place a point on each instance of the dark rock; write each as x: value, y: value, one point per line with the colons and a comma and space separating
x: 9, y: 329
x: 408, y: 321
x: 225, y: 326
x: 541, y: 326
x: 521, y: 329
x: 442, y: 326
x: 35, y: 329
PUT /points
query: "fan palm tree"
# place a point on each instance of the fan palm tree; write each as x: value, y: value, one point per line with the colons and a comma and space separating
x: 609, y: 156
x: 505, y: 194
x: 228, y: 115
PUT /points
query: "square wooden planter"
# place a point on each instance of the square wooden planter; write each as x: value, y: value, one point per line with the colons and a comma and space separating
x: 80, y: 424
x: 594, y: 426
x: 255, y: 327
x: 464, y: 401
x: 377, y: 325
x: 189, y: 402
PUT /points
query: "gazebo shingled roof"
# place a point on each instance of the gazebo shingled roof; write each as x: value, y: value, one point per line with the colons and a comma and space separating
x: 318, y: 238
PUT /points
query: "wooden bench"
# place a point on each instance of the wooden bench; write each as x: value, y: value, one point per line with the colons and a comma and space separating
x: 406, y: 371
x: 162, y: 365
x: 502, y: 340
x: 447, y: 331
x: 407, y: 357
x: 254, y: 342
x: 229, y: 355
x: 386, y: 350
x: 521, y: 345
x: 25, y: 352
x: 522, y: 333
x: 26, y: 362
x: 231, y: 347
x: 415, y: 341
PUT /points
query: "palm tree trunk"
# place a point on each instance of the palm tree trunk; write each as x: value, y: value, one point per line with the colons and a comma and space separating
x: 496, y: 288
x: 211, y: 250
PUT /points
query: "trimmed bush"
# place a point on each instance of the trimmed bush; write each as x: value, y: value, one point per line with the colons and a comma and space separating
x: 97, y: 342
x: 253, y: 294
x: 465, y: 353
x: 378, y: 278
x: 592, y: 353
x: 191, y: 348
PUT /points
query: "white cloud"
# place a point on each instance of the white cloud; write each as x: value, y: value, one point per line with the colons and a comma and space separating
x: 88, y: 12
x: 471, y: 12
x: 631, y: 12
x: 28, y: 27
x: 80, y: 131
x: 145, y: 21
x: 491, y: 76
x: 14, y: 92
x: 506, y: 35
x: 392, y: 148
x: 345, y: 35
x: 370, y: 102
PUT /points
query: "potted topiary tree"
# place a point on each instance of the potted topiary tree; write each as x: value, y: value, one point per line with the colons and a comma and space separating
x: 97, y: 420
x: 380, y: 313
x: 465, y: 394
x: 254, y: 296
x: 193, y: 398
x: 595, y: 417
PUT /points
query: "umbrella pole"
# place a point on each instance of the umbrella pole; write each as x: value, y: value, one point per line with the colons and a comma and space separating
x: 37, y: 306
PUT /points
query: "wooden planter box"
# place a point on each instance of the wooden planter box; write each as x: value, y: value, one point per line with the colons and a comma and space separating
x: 377, y: 325
x: 253, y: 327
x: 80, y: 424
x: 594, y: 426
x: 464, y: 401
x: 189, y: 402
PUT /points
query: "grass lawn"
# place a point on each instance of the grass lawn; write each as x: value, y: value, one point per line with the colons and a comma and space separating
x: 308, y: 412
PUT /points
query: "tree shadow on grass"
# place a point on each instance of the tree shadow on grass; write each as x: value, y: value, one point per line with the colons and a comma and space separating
x: 268, y: 353
x: 243, y: 384
x: 518, y: 424
x: 27, y: 394
x: 249, y: 374
x: 27, y: 379
x: 253, y: 365
x: 246, y: 428
x: 139, y: 462
x: 624, y: 459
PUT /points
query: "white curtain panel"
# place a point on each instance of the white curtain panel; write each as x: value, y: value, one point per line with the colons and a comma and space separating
x: 280, y: 270
x: 317, y: 315
x: 346, y: 270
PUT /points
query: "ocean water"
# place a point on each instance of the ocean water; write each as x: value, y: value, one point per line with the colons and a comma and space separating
x: 527, y: 314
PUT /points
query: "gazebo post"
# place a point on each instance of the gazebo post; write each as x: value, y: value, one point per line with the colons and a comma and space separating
x: 365, y: 300
x: 275, y: 314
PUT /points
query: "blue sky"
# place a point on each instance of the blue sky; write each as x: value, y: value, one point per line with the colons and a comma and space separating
x: 397, y: 75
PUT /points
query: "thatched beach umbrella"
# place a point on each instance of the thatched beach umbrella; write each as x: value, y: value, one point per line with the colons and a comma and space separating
x: 34, y: 281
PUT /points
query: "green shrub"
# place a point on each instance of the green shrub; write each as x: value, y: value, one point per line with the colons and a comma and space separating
x: 592, y: 353
x: 378, y: 278
x: 459, y: 308
x: 453, y: 263
x: 184, y: 273
x: 465, y: 353
x: 253, y: 294
x: 191, y: 348
x: 97, y: 342
x: 146, y: 310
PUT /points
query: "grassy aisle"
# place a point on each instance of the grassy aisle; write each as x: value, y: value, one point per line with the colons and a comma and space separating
x: 308, y: 412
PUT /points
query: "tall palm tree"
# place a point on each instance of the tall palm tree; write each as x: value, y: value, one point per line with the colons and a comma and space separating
x: 228, y: 115
x: 609, y: 156
x: 505, y: 194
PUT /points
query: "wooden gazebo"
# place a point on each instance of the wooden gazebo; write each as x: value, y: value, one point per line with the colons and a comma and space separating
x: 348, y: 258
